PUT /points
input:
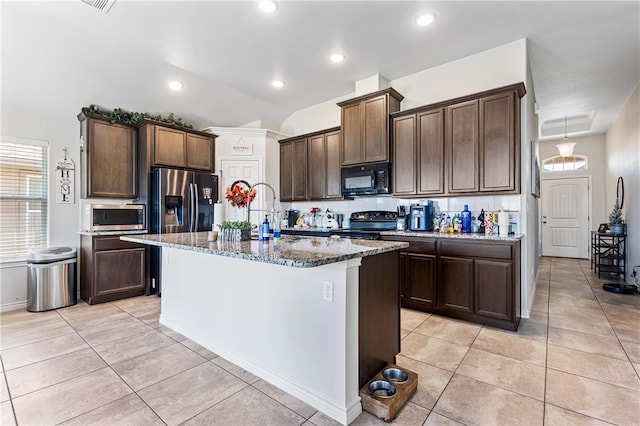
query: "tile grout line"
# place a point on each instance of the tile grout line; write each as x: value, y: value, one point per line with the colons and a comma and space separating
x: 546, y: 346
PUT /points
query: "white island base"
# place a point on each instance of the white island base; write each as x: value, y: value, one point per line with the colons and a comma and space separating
x: 273, y: 321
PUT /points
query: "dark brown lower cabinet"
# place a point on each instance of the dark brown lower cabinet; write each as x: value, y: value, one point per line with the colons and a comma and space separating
x: 112, y: 269
x: 456, y: 284
x: 473, y: 280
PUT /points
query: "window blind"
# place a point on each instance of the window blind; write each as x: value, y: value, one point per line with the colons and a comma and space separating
x: 23, y: 197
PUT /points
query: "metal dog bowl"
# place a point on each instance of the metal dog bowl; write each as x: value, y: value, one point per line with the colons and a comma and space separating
x: 395, y: 375
x: 382, y: 389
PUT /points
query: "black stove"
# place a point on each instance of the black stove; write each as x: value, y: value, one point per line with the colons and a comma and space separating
x: 368, y: 224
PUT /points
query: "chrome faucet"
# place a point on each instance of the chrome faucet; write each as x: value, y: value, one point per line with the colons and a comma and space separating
x: 273, y: 205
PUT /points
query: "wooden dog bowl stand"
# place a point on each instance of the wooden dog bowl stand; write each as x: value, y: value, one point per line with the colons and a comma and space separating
x: 387, y: 408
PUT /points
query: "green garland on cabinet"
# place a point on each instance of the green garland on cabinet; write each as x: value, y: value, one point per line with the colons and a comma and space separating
x: 118, y: 115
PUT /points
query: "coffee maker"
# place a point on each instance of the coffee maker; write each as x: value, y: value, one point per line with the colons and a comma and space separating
x: 421, y: 217
x: 291, y: 216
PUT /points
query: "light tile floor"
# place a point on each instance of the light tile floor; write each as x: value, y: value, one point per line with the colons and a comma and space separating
x: 575, y: 361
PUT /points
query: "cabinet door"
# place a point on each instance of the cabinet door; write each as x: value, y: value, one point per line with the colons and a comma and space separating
x: 404, y: 155
x: 199, y: 152
x: 299, y: 169
x: 375, y: 132
x: 497, y: 143
x: 118, y: 271
x: 170, y: 147
x: 112, y: 160
x: 462, y: 147
x: 332, y: 146
x: 317, y: 167
x: 419, y: 280
x: 494, y: 289
x: 455, y: 283
x: 351, y: 135
x: 286, y: 170
x: 430, y: 152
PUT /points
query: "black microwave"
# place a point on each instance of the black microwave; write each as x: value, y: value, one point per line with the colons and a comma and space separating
x: 367, y: 179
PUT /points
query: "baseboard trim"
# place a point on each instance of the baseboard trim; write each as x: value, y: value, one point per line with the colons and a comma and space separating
x: 13, y: 306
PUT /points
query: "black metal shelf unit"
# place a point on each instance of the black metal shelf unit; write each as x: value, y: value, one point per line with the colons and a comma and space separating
x: 608, y: 253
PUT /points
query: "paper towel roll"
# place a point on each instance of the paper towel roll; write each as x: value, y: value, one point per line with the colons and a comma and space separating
x: 218, y: 215
x: 503, y: 223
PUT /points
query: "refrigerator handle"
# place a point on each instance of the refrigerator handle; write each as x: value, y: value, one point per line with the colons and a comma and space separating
x: 191, y: 207
x: 196, y: 203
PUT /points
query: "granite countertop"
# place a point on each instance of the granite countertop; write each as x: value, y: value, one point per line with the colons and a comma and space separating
x: 97, y: 233
x: 469, y: 236
x: 295, y: 251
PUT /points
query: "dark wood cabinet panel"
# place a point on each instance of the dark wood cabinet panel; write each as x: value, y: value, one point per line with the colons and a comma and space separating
x: 200, y: 152
x: 455, y: 283
x: 112, y: 269
x: 378, y: 314
x: 351, y: 135
x: 404, y: 156
x: 317, y: 167
x: 375, y: 131
x: 286, y: 171
x: 334, y: 185
x: 430, y: 155
x: 497, y: 147
x: 170, y: 147
x: 365, y: 127
x: 299, y: 169
x: 462, y: 147
x: 494, y: 289
x: 418, y: 272
x: 109, y: 159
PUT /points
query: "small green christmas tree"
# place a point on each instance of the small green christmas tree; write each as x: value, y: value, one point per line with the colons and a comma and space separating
x: 615, y: 217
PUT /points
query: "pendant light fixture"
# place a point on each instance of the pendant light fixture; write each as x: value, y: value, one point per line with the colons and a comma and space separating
x: 566, y: 148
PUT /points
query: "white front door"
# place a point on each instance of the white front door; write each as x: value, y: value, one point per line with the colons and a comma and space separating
x: 565, y: 217
x: 247, y: 170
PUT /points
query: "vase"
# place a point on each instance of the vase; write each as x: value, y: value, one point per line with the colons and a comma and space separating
x: 235, y: 235
x: 617, y: 228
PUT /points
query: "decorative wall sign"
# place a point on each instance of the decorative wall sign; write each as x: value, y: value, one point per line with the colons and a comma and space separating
x: 241, y: 148
x: 65, y: 178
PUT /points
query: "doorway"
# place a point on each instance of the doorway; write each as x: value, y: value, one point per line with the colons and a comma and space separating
x: 565, y: 207
x: 233, y: 170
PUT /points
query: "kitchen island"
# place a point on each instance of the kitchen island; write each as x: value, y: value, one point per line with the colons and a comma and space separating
x: 316, y: 317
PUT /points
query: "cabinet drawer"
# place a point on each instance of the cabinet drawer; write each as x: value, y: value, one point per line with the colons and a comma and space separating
x: 113, y: 243
x: 476, y: 249
x: 416, y: 245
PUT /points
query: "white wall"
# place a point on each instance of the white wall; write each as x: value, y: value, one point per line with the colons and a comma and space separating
x: 60, y: 132
x: 623, y: 159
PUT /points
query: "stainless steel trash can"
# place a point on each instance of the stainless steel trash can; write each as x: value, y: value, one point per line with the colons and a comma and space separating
x: 51, y: 278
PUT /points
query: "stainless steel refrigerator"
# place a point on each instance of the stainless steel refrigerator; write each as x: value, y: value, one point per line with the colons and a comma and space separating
x: 179, y: 201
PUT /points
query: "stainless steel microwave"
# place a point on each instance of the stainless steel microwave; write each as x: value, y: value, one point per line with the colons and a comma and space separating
x: 114, y: 217
x: 367, y: 179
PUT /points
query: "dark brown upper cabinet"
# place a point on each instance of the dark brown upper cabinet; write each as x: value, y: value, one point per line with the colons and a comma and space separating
x: 109, y: 162
x: 293, y: 169
x: 464, y: 146
x: 418, y: 152
x: 168, y: 146
x: 310, y: 166
x: 365, y: 127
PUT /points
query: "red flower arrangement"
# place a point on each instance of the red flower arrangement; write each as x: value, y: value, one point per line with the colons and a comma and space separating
x: 239, y: 197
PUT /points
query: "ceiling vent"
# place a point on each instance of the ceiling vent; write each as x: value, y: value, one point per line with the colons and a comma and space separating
x: 103, y: 5
x: 574, y: 124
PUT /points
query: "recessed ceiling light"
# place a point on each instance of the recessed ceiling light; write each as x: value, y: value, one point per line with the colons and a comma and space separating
x: 277, y: 83
x: 175, y: 85
x: 337, y: 57
x: 425, y: 19
x: 267, y: 6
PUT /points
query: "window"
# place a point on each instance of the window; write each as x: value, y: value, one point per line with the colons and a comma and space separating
x: 23, y: 197
x: 563, y: 164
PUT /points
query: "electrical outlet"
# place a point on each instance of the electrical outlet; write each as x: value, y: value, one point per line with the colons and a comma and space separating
x: 327, y: 291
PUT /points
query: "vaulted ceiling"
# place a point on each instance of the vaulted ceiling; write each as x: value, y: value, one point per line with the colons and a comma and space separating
x: 60, y: 56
